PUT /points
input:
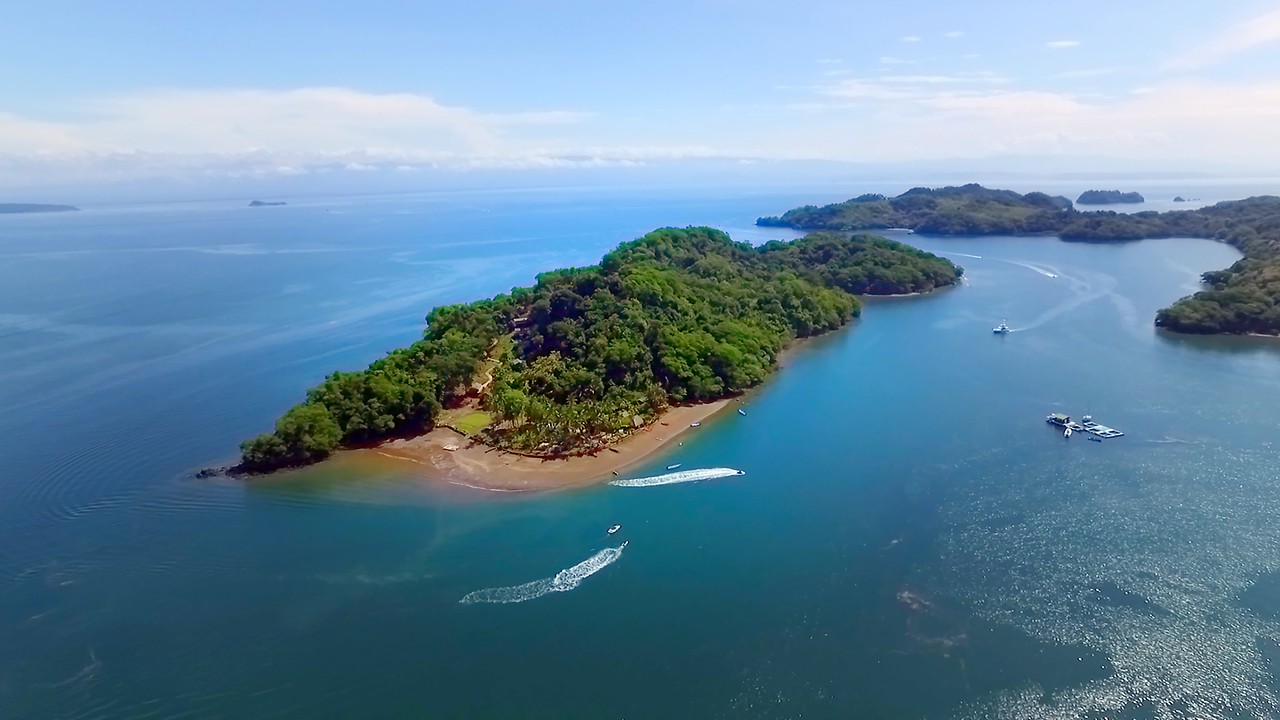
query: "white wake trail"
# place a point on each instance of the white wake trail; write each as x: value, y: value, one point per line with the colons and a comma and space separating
x: 683, y: 476
x: 1045, y: 271
x: 563, y: 581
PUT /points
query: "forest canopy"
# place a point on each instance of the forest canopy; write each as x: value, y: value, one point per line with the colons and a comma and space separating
x: 589, y: 354
x: 1108, y: 197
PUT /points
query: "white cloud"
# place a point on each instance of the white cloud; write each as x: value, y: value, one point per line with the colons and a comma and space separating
x: 982, y: 77
x: 911, y: 39
x: 262, y: 133
x: 927, y: 120
x: 971, y: 56
x: 889, y: 60
x: 906, y: 87
x: 306, y: 120
x: 955, y: 34
x: 1253, y: 33
x: 829, y: 61
x: 890, y: 114
x: 278, y: 132
x: 1062, y: 44
x: 1085, y: 73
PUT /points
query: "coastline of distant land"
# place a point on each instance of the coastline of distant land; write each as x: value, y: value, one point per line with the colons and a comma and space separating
x: 1242, y: 299
x: 21, y: 208
x: 1109, y: 197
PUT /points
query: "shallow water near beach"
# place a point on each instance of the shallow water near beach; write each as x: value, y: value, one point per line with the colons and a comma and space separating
x: 909, y: 538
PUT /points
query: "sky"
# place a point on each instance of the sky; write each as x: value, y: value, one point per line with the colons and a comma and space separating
x: 94, y: 92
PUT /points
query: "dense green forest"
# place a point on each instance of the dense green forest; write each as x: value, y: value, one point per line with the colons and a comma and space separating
x: 967, y: 210
x: 1244, y: 298
x: 1108, y: 197
x: 588, y: 354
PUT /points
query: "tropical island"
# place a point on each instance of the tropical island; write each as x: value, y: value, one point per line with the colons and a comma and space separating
x: 266, y: 203
x: 1242, y: 299
x: 588, y: 356
x: 1109, y: 197
x: 16, y: 208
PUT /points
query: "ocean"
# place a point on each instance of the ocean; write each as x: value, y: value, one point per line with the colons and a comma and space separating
x: 909, y: 538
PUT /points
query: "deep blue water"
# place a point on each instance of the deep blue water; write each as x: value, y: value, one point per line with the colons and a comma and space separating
x: 910, y: 539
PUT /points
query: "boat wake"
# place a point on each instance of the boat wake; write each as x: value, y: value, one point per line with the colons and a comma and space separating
x: 683, y: 476
x: 1043, y: 270
x: 563, y: 581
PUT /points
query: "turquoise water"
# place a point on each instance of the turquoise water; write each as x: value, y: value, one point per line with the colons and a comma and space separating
x: 909, y: 540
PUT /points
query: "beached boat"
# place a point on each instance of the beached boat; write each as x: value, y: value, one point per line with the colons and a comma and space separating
x: 694, y: 424
x: 614, y: 529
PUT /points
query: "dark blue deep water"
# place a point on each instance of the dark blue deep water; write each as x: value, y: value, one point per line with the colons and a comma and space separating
x: 910, y: 539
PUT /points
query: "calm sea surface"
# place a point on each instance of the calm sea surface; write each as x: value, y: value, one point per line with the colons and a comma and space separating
x: 910, y: 538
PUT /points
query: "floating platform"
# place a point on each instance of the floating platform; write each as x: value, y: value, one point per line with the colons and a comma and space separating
x: 1088, y: 426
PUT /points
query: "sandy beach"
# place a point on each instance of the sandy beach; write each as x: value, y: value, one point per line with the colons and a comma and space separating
x: 481, y: 466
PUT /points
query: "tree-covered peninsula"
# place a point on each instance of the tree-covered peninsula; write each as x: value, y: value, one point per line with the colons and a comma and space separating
x: 587, y: 355
x: 1244, y: 298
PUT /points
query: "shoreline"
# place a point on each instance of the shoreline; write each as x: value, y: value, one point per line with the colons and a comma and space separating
x: 483, y: 467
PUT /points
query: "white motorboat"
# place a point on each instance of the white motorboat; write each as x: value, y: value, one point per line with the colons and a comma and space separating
x: 1001, y: 329
x: 614, y: 529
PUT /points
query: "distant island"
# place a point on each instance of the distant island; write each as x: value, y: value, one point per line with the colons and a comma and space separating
x: 16, y: 208
x: 588, y: 356
x: 1244, y: 298
x: 265, y: 203
x: 1109, y: 197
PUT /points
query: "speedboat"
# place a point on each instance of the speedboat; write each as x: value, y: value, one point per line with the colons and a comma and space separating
x: 741, y: 411
x: 1066, y: 433
x: 614, y: 529
x: 673, y: 467
x: 1001, y: 329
